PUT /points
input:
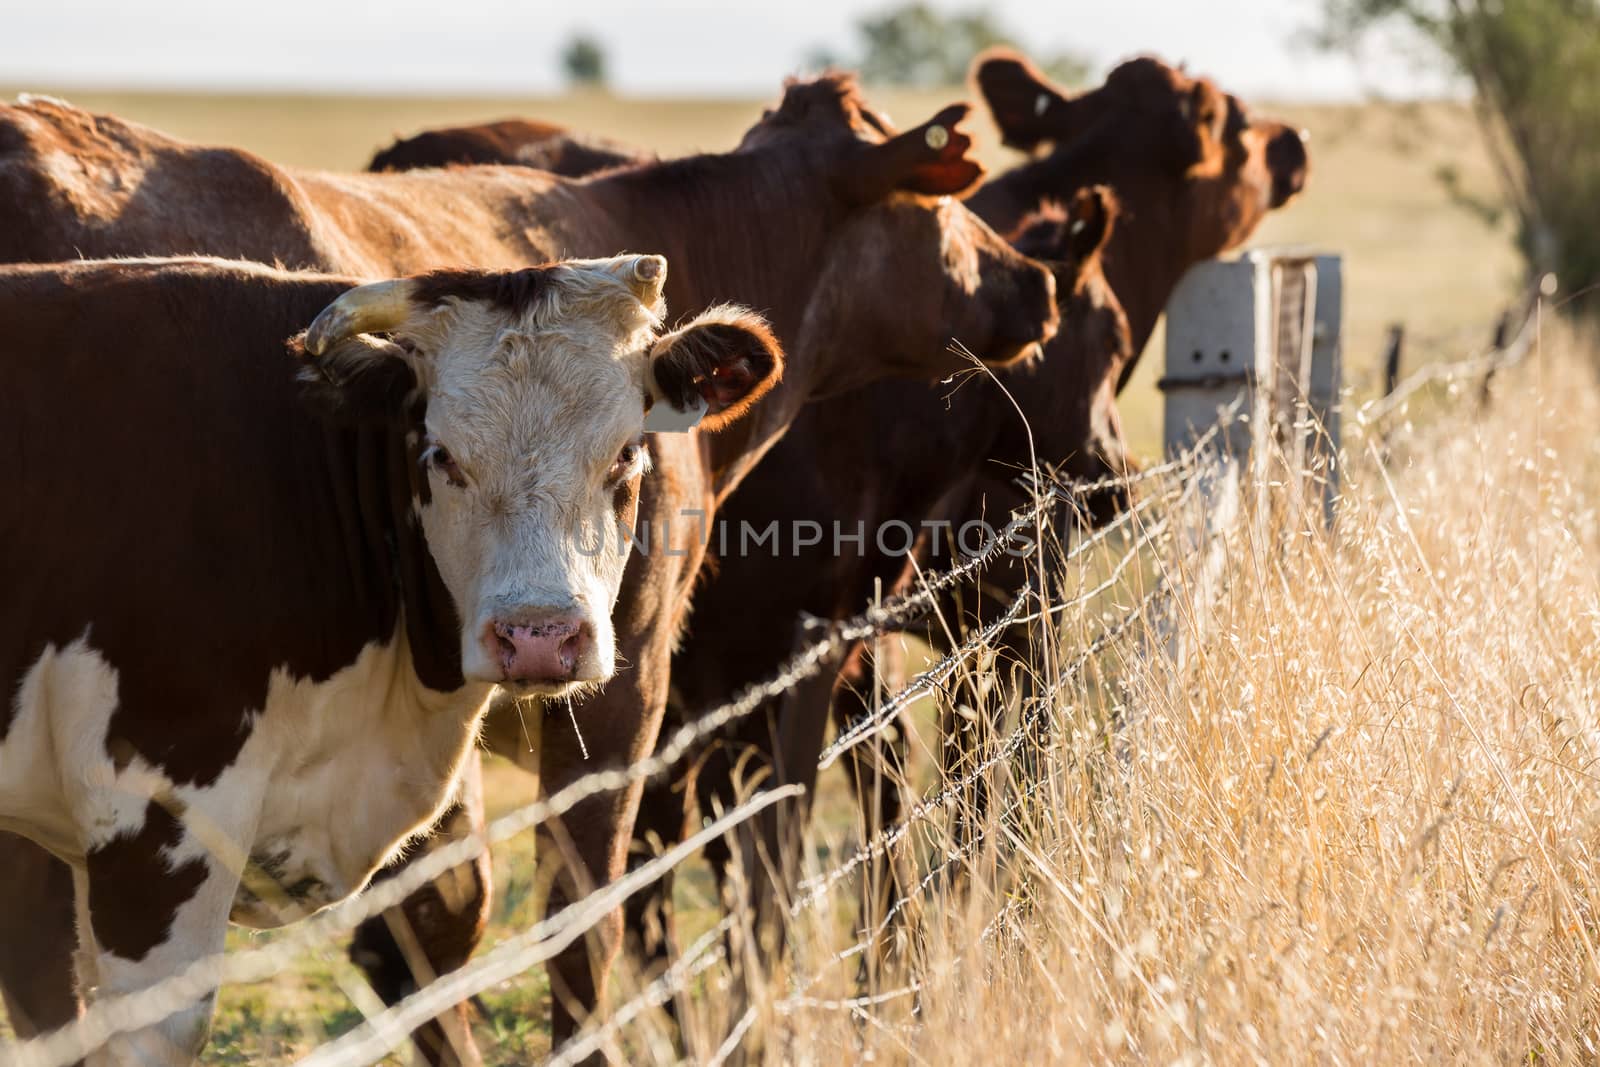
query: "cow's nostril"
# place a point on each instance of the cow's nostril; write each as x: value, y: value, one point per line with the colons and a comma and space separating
x: 571, y: 649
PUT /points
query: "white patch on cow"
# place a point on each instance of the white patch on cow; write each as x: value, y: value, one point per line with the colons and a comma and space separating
x: 346, y: 771
x: 198, y: 930
x: 57, y: 784
x: 335, y: 777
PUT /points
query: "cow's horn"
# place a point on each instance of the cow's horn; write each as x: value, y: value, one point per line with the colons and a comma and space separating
x: 370, y: 308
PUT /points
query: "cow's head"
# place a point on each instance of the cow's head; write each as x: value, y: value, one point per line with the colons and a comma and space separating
x: 907, y: 269
x: 526, y: 395
x: 1094, y: 343
x: 1169, y: 143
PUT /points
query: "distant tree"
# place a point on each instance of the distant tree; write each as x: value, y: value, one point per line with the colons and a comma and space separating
x: 916, y: 45
x: 1534, y: 66
x: 584, y: 60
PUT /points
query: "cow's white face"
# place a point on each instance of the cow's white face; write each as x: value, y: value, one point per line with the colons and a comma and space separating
x: 536, y: 386
x: 532, y: 455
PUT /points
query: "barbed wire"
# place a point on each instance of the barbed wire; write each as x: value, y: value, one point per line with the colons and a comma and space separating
x: 935, y: 676
x: 814, y: 889
x: 376, y: 1037
x: 1494, y: 359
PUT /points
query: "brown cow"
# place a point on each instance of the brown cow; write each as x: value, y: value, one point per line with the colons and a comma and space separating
x: 1194, y: 176
x: 1196, y: 173
x: 525, y: 142
x: 248, y: 707
x: 820, y: 202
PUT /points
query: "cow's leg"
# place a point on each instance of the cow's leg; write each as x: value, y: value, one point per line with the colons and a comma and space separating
x: 592, y: 842
x: 614, y: 728
x: 37, y: 936
x: 434, y: 930
x: 152, y: 900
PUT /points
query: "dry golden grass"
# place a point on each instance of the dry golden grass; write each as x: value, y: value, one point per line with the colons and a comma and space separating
x: 1358, y: 825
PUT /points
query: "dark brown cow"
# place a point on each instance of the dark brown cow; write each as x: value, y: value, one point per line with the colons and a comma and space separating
x: 1195, y: 171
x: 820, y: 202
x: 1194, y: 176
x: 251, y: 704
x: 525, y: 142
x: 862, y: 483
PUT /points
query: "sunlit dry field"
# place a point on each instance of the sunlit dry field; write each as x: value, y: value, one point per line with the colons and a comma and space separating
x: 1358, y: 823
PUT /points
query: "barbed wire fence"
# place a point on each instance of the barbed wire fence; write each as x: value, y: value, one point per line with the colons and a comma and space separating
x: 1162, y: 493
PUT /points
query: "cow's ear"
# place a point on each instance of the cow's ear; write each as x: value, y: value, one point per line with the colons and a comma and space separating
x: 1026, y: 105
x: 932, y: 160
x: 1069, y: 239
x: 1090, y: 219
x: 726, y: 359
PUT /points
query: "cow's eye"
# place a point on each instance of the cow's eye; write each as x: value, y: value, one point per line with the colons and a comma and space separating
x: 625, y: 464
x: 437, y: 458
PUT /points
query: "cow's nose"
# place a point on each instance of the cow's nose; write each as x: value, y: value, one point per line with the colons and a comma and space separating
x: 544, y: 651
x: 1289, y: 163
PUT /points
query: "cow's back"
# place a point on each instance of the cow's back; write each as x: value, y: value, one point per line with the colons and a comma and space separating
x: 76, y: 185
x: 81, y: 186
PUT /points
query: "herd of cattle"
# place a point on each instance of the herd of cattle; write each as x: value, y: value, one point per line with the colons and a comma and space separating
x: 293, y: 537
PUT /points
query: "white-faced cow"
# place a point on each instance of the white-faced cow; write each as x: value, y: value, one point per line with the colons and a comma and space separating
x: 820, y: 203
x: 253, y: 615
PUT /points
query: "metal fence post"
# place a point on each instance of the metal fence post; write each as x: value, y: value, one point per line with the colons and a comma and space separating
x: 1260, y: 336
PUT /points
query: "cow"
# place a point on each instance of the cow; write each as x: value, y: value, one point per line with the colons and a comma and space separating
x: 525, y: 142
x: 822, y: 200
x: 893, y: 477
x: 1195, y: 174
x: 1195, y: 170
x: 340, y: 547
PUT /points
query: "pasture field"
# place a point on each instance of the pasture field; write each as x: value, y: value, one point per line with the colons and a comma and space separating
x: 1359, y: 824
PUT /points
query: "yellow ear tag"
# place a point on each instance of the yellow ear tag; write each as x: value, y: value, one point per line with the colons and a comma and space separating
x: 937, y: 137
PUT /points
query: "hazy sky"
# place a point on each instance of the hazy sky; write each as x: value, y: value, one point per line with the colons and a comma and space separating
x: 655, y: 46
